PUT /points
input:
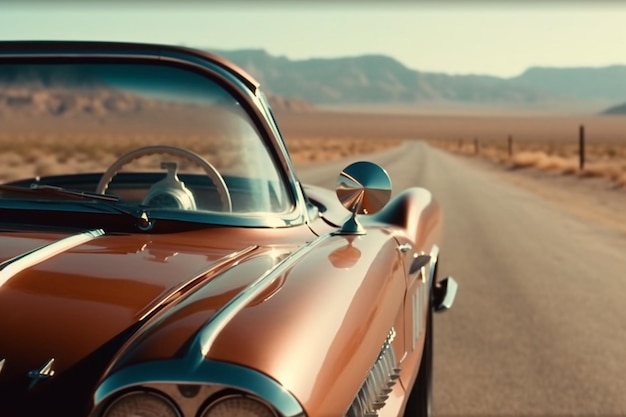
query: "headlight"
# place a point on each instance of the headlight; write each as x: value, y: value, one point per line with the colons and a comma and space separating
x: 141, y: 404
x: 238, y: 405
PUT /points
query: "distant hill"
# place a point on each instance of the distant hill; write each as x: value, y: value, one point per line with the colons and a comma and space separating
x: 371, y: 79
x: 26, y: 91
x: 583, y: 83
x: 382, y: 79
x: 291, y: 104
x: 62, y: 102
x: 620, y: 109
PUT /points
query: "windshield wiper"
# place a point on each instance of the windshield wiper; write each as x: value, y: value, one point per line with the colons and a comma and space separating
x: 143, y: 221
x: 55, y: 190
x: 60, y: 191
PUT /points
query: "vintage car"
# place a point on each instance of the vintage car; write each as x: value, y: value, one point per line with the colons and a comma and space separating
x: 160, y: 258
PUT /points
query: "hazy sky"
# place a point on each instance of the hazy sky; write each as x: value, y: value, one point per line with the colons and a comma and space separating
x: 448, y: 36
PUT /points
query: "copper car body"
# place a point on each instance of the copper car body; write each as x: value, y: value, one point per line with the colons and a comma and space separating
x: 102, y: 305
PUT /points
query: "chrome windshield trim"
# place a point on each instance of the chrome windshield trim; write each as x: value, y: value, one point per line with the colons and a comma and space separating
x: 212, y: 65
x: 17, y: 264
x: 268, y: 131
x: 207, y: 372
x: 205, y: 338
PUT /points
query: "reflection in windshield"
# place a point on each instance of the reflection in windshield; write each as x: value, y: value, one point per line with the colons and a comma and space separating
x: 71, y: 119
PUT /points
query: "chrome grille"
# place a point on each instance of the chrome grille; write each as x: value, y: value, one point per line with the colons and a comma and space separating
x: 379, y: 382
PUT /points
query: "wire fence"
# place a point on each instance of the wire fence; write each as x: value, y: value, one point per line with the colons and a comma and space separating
x: 580, y: 155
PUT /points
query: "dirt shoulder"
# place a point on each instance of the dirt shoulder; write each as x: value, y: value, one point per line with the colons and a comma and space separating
x: 592, y: 199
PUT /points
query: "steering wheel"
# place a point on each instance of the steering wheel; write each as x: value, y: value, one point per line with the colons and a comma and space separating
x: 210, y: 170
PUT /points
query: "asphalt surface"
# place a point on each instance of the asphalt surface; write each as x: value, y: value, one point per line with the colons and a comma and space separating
x: 539, y: 324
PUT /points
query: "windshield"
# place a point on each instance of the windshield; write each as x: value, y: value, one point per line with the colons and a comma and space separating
x: 158, y: 136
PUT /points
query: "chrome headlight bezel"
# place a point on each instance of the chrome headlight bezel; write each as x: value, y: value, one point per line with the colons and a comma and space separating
x: 171, y: 405
x: 268, y: 410
x: 213, y: 377
x: 184, y: 400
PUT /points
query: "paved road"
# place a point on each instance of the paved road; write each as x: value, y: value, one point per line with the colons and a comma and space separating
x: 539, y: 326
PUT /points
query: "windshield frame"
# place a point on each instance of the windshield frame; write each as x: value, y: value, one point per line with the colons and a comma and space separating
x: 236, y: 82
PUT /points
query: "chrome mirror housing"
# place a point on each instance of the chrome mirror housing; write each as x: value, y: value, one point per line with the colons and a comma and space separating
x: 363, y: 188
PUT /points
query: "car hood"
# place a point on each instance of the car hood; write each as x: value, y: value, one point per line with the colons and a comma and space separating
x: 77, y: 297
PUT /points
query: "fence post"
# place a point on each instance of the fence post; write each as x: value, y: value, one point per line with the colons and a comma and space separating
x: 581, y: 147
x: 476, y: 147
x: 510, y: 146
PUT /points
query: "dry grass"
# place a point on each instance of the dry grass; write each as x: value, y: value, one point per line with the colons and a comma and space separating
x: 305, y: 150
x: 602, y: 160
x: 540, y: 142
x: 39, y: 155
x: 544, y: 142
x: 537, y: 129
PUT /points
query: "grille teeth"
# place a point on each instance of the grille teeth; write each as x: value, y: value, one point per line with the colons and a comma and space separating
x: 378, y: 405
x: 379, y: 382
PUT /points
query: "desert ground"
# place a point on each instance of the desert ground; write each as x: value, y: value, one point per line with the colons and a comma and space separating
x: 544, y: 159
x: 544, y: 148
x: 540, y: 141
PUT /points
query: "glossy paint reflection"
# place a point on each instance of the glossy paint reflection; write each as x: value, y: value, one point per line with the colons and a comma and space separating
x: 345, y: 257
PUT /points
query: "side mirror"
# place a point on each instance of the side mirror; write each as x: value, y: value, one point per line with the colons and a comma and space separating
x: 363, y: 188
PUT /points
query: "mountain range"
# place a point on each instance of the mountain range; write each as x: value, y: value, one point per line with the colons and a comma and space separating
x: 371, y: 79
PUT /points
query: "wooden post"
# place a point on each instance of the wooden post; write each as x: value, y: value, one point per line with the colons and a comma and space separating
x: 510, y: 146
x: 581, y: 147
x: 460, y: 144
x: 476, y: 147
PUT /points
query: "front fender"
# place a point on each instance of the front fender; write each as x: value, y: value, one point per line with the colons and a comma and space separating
x: 321, y: 333
x: 417, y: 213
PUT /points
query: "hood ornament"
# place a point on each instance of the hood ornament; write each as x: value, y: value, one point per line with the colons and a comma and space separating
x: 42, y: 373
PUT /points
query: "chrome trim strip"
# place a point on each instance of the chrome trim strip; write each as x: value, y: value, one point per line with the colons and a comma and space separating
x: 194, y: 367
x: 226, y: 260
x: 42, y: 373
x: 405, y: 247
x: 272, y: 134
x: 17, y: 264
x: 434, y: 253
x: 207, y: 372
x: 211, y: 330
x: 153, y: 314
